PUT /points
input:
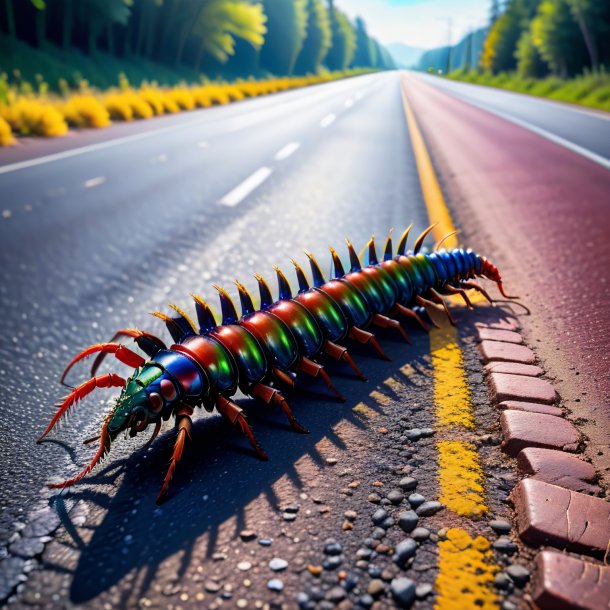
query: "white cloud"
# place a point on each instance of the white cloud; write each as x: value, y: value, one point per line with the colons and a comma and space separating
x: 420, y: 23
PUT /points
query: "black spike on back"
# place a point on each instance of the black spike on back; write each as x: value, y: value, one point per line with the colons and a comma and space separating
x: 301, y: 277
x: 402, y: 244
x: 318, y: 277
x: 354, y: 261
x: 285, y: 292
x: 172, y: 326
x: 183, y: 321
x: 373, y: 260
x: 229, y: 313
x: 339, y: 271
x: 247, y: 306
x: 205, y: 317
x: 387, y: 251
x: 420, y: 240
x: 265, y: 293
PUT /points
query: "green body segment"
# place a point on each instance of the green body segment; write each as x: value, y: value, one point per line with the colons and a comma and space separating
x: 302, y: 324
x: 402, y: 281
x: 245, y: 349
x: 327, y: 313
x: 350, y: 299
x: 377, y: 287
x: 275, y: 337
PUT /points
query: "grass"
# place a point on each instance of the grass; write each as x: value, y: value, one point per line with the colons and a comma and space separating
x: 591, y: 90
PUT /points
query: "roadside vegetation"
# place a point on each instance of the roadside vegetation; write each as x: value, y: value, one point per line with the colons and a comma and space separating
x: 549, y: 48
x: 86, y: 63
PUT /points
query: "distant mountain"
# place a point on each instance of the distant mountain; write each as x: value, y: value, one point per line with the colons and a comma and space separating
x: 465, y: 53
x: 404, y: 55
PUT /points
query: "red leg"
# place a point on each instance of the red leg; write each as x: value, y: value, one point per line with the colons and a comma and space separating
x: 339, y: 352
x: 184, y: 425
x: 282, y: 376
x: 385, y: 322
x: 235, y: 415
x: 427, y: 305
x: 148, y: 343
x: 313, y: 369
x: 449, y: 289
x: 409, y: 313
x: 366, y: 338
x: 121, y: 353
x: 439, y: 299
x: 110, y: 380
x: 478, y: 288
x: 272, y: 396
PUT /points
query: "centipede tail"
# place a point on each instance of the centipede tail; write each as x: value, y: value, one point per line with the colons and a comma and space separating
x: 264, y: 351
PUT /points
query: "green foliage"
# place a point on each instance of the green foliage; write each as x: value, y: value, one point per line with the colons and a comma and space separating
x: 343, y: 47
x: 317, y: 40
x: 365, y: 49
x: 286, y: 29
x: 591, y: 89
x: 529, y: 61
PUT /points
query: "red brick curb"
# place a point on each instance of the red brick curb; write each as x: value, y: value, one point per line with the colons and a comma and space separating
x: 566, y: 583
x: 548, y: 514
x: 558, y: 468
x: 522, y: 429
x: 551, y: 507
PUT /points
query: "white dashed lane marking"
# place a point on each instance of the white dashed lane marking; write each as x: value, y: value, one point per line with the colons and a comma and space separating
x: 93, y: 182
x: 329, y: 119
x: 240, y: 192
x: 288, y: 150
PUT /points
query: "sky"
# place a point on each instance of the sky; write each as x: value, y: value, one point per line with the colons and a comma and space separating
x: 418, y: 23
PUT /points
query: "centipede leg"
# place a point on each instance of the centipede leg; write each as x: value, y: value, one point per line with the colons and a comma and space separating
x: 271, y: 396
x: 385, y: 322
x: 236, y: 415
x: 184, y: 424
x: 409, y: 313
x: 449, y: 289
x: 439, y: 299
x: 338, y: 352
x: 285, y: 378
x: 428, y: 306
x: 479, y: 289
x: 313, y: 369
x: 366, y: 338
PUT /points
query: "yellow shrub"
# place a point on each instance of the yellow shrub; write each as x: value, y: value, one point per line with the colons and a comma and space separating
x: 126, y: 105
x: 6, y: 136
x: 202, y: 97
x: 218, y: 94
x: 85, y: 111
x: 234, y: 94
x: 183, y: 97
x: 31, y: 117
x: 153, y: 97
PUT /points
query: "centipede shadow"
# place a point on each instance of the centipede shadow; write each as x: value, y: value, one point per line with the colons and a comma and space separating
x: 218, y: 477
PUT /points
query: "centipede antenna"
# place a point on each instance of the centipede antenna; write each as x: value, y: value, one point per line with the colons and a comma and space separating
x: 440, y: 242
x: 183, y: 320
x: 318, y: 276
x: 402, y: 244
x: 387, y: 250
x: 373, y: 260
x: 229, y: 313
x: 353, y: 257
x: 420, y: 240
x: 301, y: 277
x: 339, y: 271
x: 509, y: 302
x: 501, y: 289
x: 205, y: 317
x: 264, y: 291
x: 247, y: 306
x: 285, y: 292
x: 175, y: 330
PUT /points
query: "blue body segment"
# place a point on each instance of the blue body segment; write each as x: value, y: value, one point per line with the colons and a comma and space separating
x: 183, y: 372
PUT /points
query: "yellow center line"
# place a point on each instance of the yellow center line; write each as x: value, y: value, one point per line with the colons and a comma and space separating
x: 466, y: 568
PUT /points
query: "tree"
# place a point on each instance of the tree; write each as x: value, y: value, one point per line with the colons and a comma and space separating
x: 494, y: 12
x: 558, y: 38
x: 286, y: 29
x: 587, y: 14
x: 341, y: 52
x: 362, y: 55
x: 501, y: 43
x: 317, y: 41
x: 530, y: 63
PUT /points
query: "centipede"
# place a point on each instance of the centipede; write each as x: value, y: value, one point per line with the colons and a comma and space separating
x: 264, y: 350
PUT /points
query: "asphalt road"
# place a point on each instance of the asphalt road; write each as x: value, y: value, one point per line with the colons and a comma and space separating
x: 95, y: 241
x: 586, y: 131
x: 103, y: 227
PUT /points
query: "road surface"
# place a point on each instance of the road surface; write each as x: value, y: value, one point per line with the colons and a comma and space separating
x: 101, y: 228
